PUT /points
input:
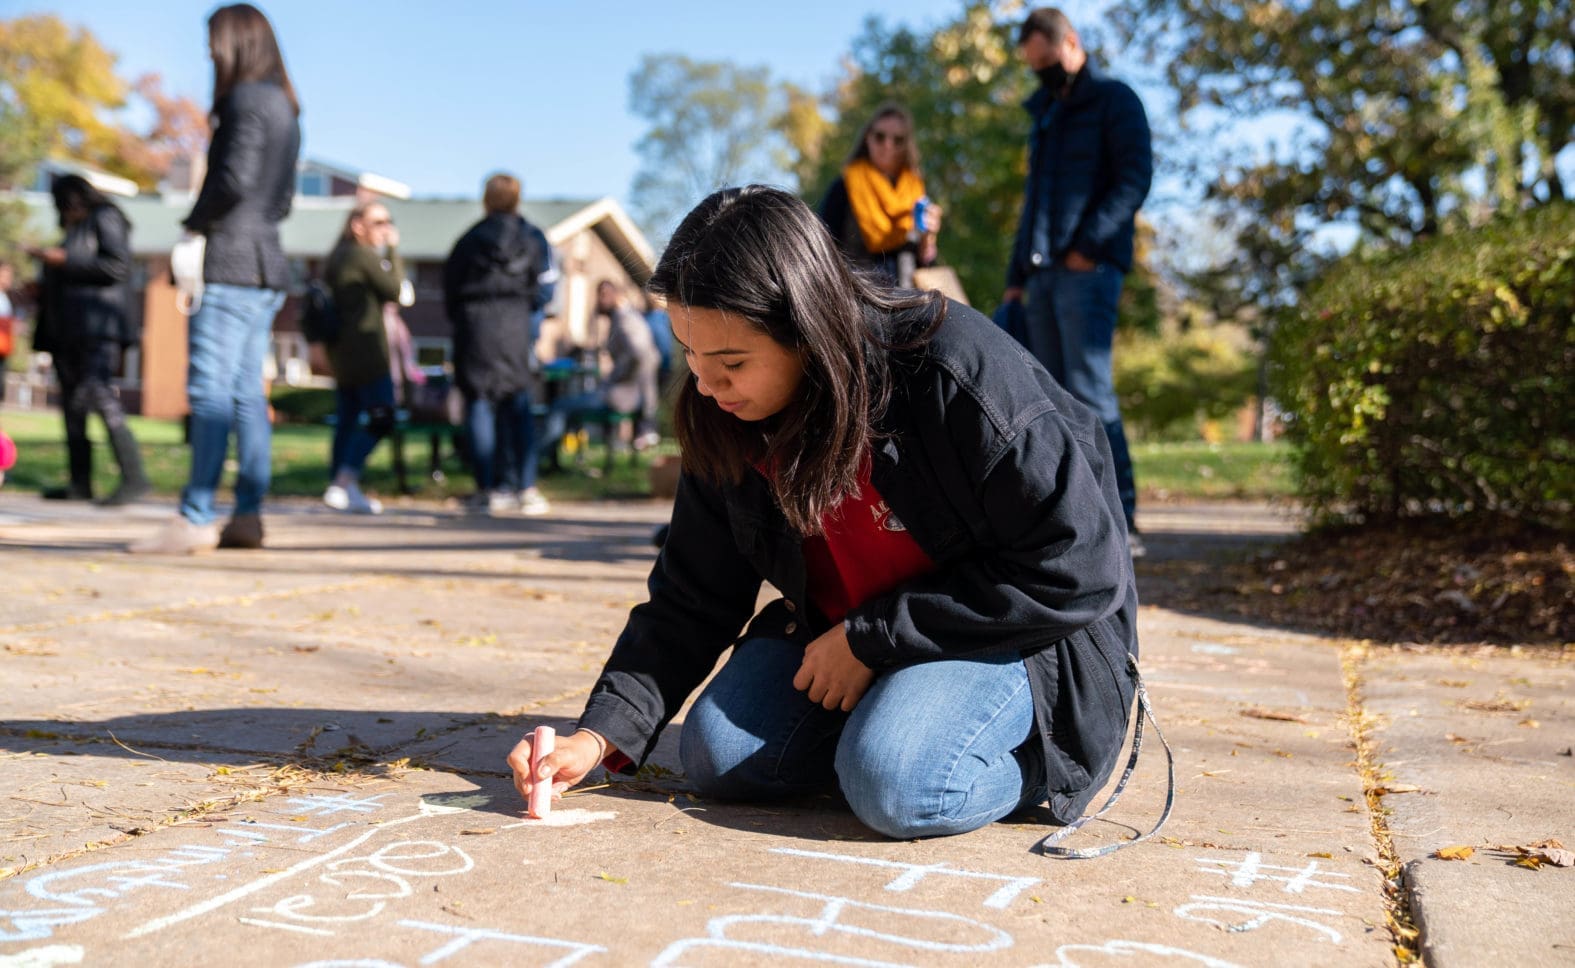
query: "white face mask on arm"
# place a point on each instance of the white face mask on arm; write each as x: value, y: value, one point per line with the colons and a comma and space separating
x: 186, y: 258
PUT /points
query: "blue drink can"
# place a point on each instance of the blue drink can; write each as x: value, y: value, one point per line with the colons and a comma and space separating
x: 919, y: 209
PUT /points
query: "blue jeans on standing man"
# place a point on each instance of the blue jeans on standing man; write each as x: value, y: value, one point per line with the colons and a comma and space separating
x: 1071, y: 322
x: 931, y: 749
x: 364, y: 416
x: 227, y: 340
x: 505, y: 429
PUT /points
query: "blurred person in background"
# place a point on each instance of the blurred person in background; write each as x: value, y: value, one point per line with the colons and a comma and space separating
x: 492, y: 292
x: 629, y: 385
x: 248, y: 190
x: 1090, y: 164
x: 366, y: 276
x: 873, y: 207
x: 83, y: 325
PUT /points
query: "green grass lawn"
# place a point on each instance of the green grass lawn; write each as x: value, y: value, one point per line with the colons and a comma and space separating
x: 1169, y: 471
x: 300, y: 462
x: 1197, y: 470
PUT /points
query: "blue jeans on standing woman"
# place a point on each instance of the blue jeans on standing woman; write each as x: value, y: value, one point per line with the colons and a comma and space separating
x: 931, y: 749
x: 364, y: 415
x: 227, y: 340
x: 502, y: 430
x: 1071, y: 323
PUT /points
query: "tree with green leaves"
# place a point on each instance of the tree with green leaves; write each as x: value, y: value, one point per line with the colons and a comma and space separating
x: 712, y: 124
x: 1403, y: 118
x: 963, y: 85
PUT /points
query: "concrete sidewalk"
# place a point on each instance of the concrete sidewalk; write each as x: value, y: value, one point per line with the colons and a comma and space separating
x: 295, y: 757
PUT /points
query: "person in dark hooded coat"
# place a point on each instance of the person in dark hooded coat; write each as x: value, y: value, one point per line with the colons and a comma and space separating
x: 491, y: 291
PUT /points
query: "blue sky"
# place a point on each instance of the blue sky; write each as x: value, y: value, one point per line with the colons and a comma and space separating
x: 439, y: 94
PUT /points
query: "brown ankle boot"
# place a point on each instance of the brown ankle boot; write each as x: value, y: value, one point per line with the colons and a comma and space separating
x: 242, y: 531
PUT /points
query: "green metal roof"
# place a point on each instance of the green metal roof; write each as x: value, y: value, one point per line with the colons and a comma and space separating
x: 428, y: 227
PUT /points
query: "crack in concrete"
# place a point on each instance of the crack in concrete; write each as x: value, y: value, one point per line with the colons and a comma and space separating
x: 1401, y: 924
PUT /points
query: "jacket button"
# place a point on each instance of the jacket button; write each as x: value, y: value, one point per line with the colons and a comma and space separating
x: 1036, y: 259
x: 791, y: 628
x: 788, y: 603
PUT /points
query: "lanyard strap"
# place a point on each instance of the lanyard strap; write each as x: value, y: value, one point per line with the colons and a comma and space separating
x: 1145, y: 711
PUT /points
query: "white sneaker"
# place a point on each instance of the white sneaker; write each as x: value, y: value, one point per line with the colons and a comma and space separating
x: 646, y: 440
x: 360, y: 503
x: 502, y: 502
x: 350, y: 498
x: 532, y: 503
x: 337, y: 498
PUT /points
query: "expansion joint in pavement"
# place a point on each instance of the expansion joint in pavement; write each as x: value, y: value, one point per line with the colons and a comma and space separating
x: 1353, y: 656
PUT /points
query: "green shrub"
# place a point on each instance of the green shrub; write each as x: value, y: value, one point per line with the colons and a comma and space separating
x: 1437, y: 380
x: 302, y: 404
x: 1171, y: 382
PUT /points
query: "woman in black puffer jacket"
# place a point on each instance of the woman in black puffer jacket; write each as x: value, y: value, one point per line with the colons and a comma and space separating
x: 83, y: 325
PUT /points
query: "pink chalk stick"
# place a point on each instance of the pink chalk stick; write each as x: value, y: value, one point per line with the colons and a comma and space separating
x: 542, y: 742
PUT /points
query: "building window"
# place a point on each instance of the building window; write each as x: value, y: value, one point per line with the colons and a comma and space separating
x: 312, y: 183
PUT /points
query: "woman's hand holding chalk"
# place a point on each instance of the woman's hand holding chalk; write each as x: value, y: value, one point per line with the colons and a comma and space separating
x: 566, y: 760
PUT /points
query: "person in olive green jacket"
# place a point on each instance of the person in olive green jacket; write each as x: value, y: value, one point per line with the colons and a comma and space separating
x: 363, y: 272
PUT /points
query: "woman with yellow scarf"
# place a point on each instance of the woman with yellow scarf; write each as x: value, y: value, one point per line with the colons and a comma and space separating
x: 873, y: 209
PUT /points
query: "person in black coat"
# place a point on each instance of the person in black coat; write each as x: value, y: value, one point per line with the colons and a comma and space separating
x: 956, y: 633
x: 83, y: 324
x: 491, y: 292
x: 247, y: 191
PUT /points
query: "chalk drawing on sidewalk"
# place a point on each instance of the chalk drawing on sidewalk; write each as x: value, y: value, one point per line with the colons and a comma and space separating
x: 1260, y: 913
x: 322, y: 805
x: 1251, y: 869
x: 912, y: 874
x: 1065, y: 959
x: 835, y: 917
x: 48, y: 957
x: 368, y: 883
x: 563, y: 818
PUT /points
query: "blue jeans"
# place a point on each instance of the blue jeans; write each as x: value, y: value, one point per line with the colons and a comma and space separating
x: 227, y: 340
x: 503, y: 429
x: 365, y: 415
x: 1071, y: 322
x: 931, y: 749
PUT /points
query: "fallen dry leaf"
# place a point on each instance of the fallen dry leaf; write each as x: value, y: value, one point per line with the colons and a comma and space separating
x: 1399, y: 788
x: 1460, y: 852
x: 1495, y: 705
x: 1557, y: 856
x: 1259, y: 712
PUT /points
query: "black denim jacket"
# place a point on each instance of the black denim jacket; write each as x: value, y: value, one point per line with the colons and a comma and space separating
x: 1003, y: 479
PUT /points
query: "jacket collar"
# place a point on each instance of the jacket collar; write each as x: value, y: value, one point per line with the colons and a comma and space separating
x: 1082, y: 90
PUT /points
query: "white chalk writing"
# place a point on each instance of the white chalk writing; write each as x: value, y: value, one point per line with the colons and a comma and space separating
x: 1251, y: 869
x: 1261, y: 913
x: 1064, y: 954
x: 834, y: 917
x: 912, y: 874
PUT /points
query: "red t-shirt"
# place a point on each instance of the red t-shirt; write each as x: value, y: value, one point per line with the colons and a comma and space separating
x: 864, y: 552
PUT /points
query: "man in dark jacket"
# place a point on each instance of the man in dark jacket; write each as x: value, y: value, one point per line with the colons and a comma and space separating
x: 491, y: 291
x: 83, y: 325
x: 1090, y: 162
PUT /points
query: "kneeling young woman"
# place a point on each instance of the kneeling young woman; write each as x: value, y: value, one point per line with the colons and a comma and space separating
x: 957, y: 614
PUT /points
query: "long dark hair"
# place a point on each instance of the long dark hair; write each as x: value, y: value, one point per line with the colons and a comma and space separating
x: 245, y: 49
x: 760, y: 254
x: 74, y: 195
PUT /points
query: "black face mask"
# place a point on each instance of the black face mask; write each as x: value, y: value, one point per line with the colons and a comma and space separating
x: 1053, y: 78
